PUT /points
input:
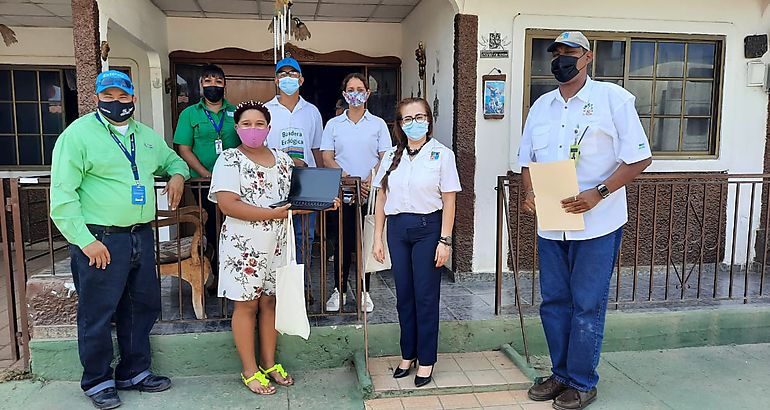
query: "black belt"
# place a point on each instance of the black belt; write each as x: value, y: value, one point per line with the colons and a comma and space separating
x: 117, y: 229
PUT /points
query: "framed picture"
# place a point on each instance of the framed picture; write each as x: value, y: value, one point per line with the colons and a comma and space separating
x: 494, y: 96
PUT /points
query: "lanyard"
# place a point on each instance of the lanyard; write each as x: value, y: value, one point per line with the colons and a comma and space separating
x: 131, y: 156
x: 574, y: 149
x: 217, y: 128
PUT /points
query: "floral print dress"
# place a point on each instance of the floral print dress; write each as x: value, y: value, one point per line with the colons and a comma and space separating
x: 250, y: 252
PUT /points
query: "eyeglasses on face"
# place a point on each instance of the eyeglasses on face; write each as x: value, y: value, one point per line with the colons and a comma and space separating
x: 292, y: 74
x: 420, y: 118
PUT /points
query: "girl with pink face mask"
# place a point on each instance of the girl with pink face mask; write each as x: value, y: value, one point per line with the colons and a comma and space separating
x: 244, y: 182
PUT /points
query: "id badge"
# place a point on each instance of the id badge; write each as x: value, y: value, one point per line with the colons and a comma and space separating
x: 138, y: 196
x: 574, y: 152
x: 218, y: 146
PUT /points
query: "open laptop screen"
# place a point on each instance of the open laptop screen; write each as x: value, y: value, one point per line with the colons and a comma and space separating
x: 315, y: 184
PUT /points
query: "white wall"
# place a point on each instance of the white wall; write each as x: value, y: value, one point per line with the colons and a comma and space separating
x: 200, y: 35
x: 431, y: 22
x: 743, y: 109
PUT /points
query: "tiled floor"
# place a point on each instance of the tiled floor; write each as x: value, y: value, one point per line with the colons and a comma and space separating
x: 510, y: 400
x: 480, y: 371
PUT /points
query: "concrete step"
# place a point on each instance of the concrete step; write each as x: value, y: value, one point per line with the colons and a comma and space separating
x: 509, y: 400
x: 454, y: 373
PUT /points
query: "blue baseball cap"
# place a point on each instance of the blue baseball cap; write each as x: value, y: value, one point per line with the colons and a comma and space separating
x: 288, y: 62
x: 114, y: 79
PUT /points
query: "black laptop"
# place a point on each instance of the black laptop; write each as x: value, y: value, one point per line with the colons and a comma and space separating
x: 313, y: 189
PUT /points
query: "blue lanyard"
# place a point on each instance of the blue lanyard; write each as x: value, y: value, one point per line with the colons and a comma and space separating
x: 217, y: 128
x: 130, y: 155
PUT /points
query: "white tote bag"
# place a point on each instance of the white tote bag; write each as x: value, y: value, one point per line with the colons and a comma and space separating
x: 290, y: 308
x: 371, y: 264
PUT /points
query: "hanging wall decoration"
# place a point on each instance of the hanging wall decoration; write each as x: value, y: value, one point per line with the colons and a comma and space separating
x: 494, y: 96
x: 283, y: 26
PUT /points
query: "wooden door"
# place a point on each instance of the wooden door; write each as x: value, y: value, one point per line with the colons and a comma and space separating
x: 249, y: 82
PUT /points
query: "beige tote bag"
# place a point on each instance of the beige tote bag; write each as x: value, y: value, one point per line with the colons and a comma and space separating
x: 371, y: 264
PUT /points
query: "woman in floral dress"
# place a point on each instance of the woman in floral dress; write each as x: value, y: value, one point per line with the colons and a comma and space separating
x: 245, y: 182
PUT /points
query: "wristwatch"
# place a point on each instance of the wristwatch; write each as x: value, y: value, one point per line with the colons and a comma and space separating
x: 446, y: 240
x: 603, y: 190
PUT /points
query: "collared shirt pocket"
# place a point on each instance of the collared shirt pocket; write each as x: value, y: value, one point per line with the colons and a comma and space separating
x: 540, y: 142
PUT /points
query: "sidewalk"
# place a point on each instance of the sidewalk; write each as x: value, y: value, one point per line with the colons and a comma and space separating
x: 702, y: 378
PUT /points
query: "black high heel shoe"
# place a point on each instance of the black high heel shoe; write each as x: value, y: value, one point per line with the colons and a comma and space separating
x: 399, y: 372
x: 420, y: 381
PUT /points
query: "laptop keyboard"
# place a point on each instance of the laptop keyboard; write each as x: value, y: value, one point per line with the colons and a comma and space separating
x: 311, y: 204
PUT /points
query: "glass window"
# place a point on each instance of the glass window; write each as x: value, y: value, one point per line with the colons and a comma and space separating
x: 383, y: 83
x: 36, y: 104
x: 675, y: 79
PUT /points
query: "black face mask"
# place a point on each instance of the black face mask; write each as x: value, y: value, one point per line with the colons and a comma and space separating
x: 213, y: 93
x: 564, y: 68
x: 116, y: 111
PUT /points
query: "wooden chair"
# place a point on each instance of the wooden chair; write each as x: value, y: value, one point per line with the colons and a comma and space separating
x: 191, y: 255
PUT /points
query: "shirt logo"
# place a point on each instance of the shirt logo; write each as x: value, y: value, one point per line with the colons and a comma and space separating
x: 149, y: 146
x: 642, y: 145
x: 230, y: 113
x: 588, y: 109
x: 434, y: 155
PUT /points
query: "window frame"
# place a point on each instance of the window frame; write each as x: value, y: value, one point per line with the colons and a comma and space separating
x: 627, y: 37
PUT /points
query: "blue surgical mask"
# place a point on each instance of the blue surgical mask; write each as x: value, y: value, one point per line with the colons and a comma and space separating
x: 289, y: 85
x: 416, y: 130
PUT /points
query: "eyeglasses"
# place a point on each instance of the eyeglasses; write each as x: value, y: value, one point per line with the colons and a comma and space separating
x: 292, y: 74
x: 420, y: 118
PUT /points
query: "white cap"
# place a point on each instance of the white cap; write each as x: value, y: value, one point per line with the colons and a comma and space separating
x: 571, y: 39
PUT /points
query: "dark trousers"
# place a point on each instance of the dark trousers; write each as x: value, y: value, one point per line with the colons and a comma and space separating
x: 348, y: 247
x: 412, y: 240
x: 575, y: 282
x: 128, y: 290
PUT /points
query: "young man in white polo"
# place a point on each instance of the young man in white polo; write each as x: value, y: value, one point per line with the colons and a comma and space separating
x: 595, y: 124
x: 296, y: 128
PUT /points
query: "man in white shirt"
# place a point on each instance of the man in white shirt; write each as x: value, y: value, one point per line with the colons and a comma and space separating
x: 296, y: 128
x: 595, y: 124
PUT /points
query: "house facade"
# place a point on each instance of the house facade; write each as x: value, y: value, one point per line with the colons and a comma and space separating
x: 699, y: 90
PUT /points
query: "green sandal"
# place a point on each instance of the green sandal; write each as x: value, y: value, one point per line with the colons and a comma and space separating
x: 260, y: 377
x: 277, y: 368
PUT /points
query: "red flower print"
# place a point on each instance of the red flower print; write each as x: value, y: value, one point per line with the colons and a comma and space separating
x: 248, y: 270
x: 252, y: 262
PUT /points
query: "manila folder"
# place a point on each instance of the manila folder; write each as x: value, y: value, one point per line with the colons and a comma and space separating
x: 553, y: 182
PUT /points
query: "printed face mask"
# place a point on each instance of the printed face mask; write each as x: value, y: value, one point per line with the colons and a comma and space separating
x: 416, y: 130
x: 356, y: 98
x: 115, y: 110
x: 564, y: 68
x: 213, y: 93
x: 253, y: 137
x: 289, y: 85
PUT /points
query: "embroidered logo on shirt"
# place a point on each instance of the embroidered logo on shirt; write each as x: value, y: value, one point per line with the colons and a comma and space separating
x: 434, y: 155
x: 642, y: 145
x: 150, y: 146
x: 230, y: 113
x: 588, y: 109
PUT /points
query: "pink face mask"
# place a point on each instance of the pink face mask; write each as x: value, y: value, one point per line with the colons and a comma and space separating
x: 253, y: 137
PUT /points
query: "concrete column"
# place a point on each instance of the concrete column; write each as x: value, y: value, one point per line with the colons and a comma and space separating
x: 85, y: 33
x: 464, y: 136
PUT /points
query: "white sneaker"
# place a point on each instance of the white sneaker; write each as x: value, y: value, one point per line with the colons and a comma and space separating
x: 367, y: 303
x: 333, y: 304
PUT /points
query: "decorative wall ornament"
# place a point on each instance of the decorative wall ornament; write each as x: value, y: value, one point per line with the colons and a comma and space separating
x: 9, y: 36
x: 419, y: 54
x: 104, y: 50
x: 495, y: 46
x: 493, y: 96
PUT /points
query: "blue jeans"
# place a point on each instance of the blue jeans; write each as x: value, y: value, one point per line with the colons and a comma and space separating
x: 128, y: 290
x: 412, y: 241
x: 574, y: 282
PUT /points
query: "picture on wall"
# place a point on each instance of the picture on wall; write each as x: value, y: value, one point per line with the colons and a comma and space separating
x: 494, y: 96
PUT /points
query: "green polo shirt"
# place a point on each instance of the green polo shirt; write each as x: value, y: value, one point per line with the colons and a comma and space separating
x: 91, y: 177
x: 195, y: 129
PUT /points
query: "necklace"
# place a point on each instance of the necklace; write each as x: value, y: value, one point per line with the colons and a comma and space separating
x: 414, y: 152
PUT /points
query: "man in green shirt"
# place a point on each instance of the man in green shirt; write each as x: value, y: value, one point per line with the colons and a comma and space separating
x: 102, y: 201
x: 203, y: 131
